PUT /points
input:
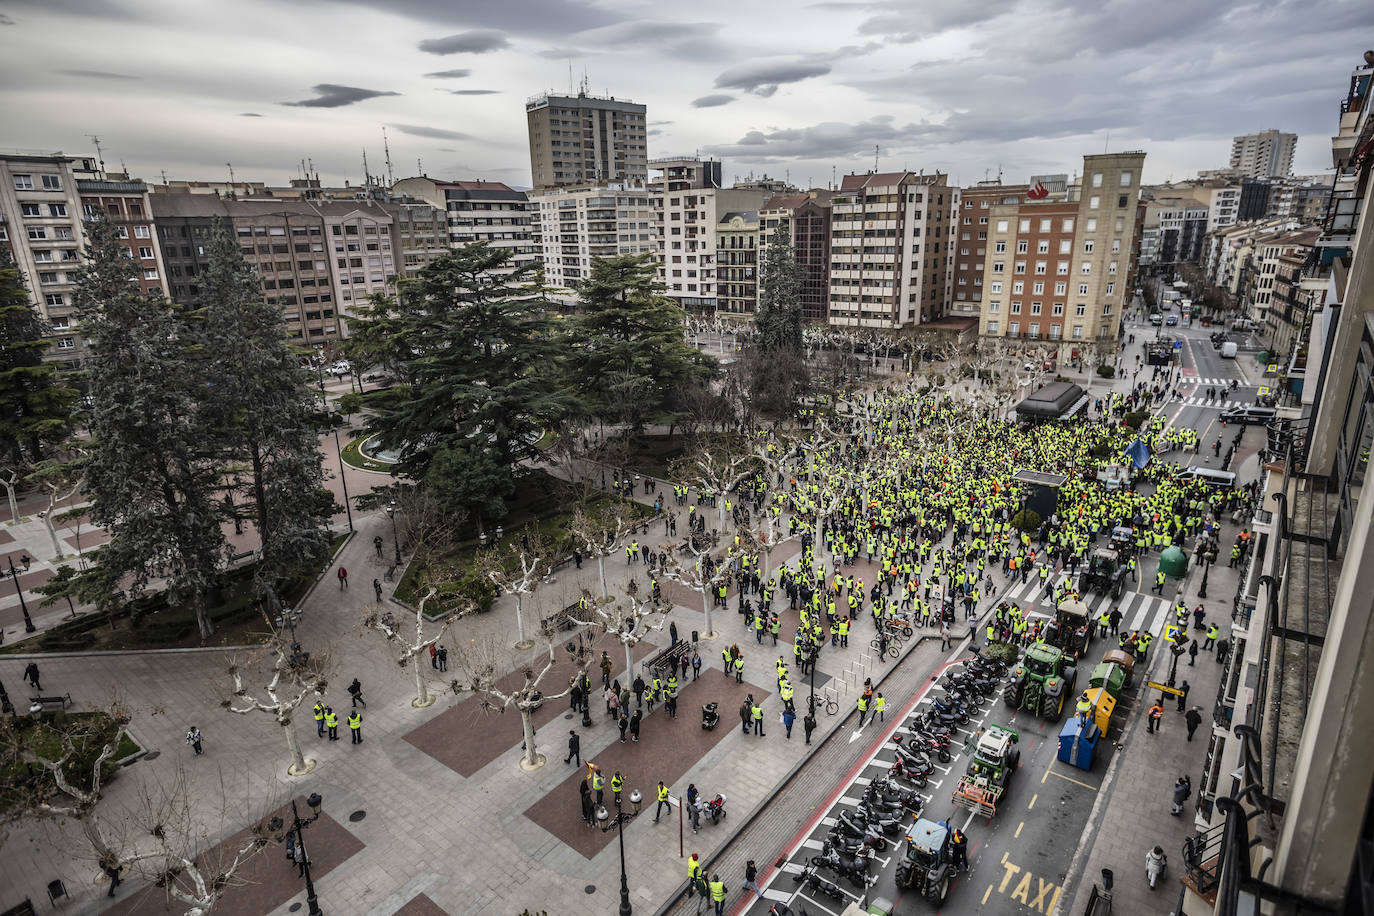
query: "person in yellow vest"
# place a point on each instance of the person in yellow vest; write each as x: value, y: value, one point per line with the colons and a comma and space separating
x: 331, y: 722
x: 787, y: 694
x: 598, y: 785
x: 662, y: 801
x: 319, y: 720
x: 695, y: 880
x: 879, y: 704
x: 739, y: 668
x: 355, y: 726
x: 863, y: 708
x: 756, y: 712
x: 1083, y: 707
x: 718, y: 894
x: 844, y: 633
x: 617, y: 783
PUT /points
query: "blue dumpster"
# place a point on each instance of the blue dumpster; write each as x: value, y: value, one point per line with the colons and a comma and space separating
x: 1077, y: 741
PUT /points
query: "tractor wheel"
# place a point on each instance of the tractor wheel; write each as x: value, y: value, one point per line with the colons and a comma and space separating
x: 1051, y: 707
x: 1013, y: 761
x: 936, y: 893
x: 1119, y: 590
x: 903, y: 877
x: 1012, y: 694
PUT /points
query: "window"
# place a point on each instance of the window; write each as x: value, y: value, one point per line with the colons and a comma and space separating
x: 1043, y: 247
x: 1062, y: 268
x: 1120, y: 225
x: 1045, y: 225
x: 1014, y: 328
x: 57, y: 209
x: 1082, y: 289
x: 145, y: 253
x: 1085, y: 268
x: 1091, y: 226
x: 1126, y: 179
x: 23, y: 182
x: 37, y: 233
x: 1107, y: 309
x: 1016, y: 306
x: 1068, y: 224
x: 62, y: 232
x: 1021, y: 246
x: 1034, y: 329
x: 1078, y: 332
x: 1038, y: 288
x: 994, y: 306
x: 1041, y: 267
x: 55, y: 300
x: 1024, y: 225
x: 1058, y: 308
x: 992, y: 327
x: 1097, y: 179
x: 1088, y: 246
x: 1035, y: 308
x: 42, y: 257
x: 995, y: 286
x: 1002, y: 225
x: 31, y: 209
x: 1111, y: 267
x: 140, y: 232
x: 1020, y: 267
x: 999, y: 247
x: 1116, y: 246
x: 1111, y: 288
x: 122, y: 231
x: 1080, y: 310
x: 1094, y: 202
x: 47, y: 276
x: 1122, y: 200
x: 998, y: 267
x: 1018, y: 287
x: 1054, y: 331
x: 52, y: 183
x: 66, y: 343
x: 1060, y: 288
x: 61, y: 324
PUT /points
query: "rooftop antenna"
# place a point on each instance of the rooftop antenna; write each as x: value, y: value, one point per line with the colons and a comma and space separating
x: 122, y: 167
x: 571, y: 85
x: 418, y: 167
x: 875, y: 158
x: 99, y: 156
x: 309, y: 167
x: 164, y: 176
x: 833, y: 186
x: 1106, y: 141
x: 387, y: 149
x: 230, y: 167
x: 367, y: 176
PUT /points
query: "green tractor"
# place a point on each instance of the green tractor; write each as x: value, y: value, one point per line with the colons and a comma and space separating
x: 1106, y: 573
x: 928, y: 864
x: 1040, y: 684
x: 995, y: 758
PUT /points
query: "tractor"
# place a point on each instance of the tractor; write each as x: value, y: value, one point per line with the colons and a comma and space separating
x: 928, y: 864
x: 1071, y: 628
x: 1106, y: 573
x: 1041, y: 682
x: 994, y: 759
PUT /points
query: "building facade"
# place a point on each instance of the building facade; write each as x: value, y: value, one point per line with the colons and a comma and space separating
x: 1063, y: 270
x: 421, y: 234
x: 806, y: 219
x: 737, y: 262
x: 1266, y: 154
x: 479, y: 211
x: 890, y: 238
x: 971, y: 242
x: 578, y: 225
x: 586, y: 140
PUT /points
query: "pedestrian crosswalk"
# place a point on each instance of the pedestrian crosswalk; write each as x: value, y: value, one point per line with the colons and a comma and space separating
x: 1143, y: 613
x: 1208, y: 382
x: 1204, y: 401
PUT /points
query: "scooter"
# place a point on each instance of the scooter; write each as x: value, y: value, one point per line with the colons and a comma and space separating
x: 862, y: 830
x: 838, y: 839
x: 965, y: 696
x: 813, y: 880
x: 1155, y: 862
x: 855, y: 870
x: 911, y: 773
x: 922, y: 743
x: 889, y: 822
x: 950, y: 707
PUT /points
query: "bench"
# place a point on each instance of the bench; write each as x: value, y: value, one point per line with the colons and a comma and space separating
x: 668, y: 659
x: 563, y: 620
x: 21, y: 909
x: 62, y: 702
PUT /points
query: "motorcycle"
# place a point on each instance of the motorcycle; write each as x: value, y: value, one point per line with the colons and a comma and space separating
x: 813, y: 880
x: 912, y: 773
x: 889, y: 822
x: 950, y: 707
x: 838, y: 839
x: 854, y: 870
x: 922, y: 743
x: 899, y: 804
x: 965, y: 696
x: 1155, y: 862
x: 991, y: 667
x: 862, y: 830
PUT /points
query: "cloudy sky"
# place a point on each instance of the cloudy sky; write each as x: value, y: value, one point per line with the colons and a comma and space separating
x: 785, y: 88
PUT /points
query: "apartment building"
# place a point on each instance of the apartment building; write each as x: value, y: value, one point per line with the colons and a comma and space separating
x: 421, y: 232
x: 1285, y: 792
x: 737, y: 262
x: 362, y: 245
x: 1063, y: 270
x: 1174, y: 230
x: 806, y: 219
x: 586, y: 140
x: 1266, y: 154
x: 577, y: 225
x: 45, y: 200
x: 479, y: 211
x: 688, y: 206
x: 890, y: 236
x: 971, y: 242
x: 1257, y: 288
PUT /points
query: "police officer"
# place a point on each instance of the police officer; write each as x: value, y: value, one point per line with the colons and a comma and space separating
x: 355, y: 726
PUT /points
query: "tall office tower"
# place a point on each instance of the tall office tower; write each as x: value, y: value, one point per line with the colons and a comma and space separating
x: 584, y: 140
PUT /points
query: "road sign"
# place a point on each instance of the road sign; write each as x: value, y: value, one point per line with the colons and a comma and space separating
x: 1178, y: 345
x: 1164, y: 688
x: 1171, y: 632
x: 1272, y: 368
x: 1264, y: 390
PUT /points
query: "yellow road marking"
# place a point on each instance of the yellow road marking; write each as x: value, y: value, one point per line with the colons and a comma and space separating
x: 1072, y: 780
x: 986, y: 894
x: 1017, y: 834
x: 1032, y: 801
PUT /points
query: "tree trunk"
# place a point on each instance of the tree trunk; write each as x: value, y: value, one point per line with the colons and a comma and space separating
x: 90, y: 825
x: 520, y: 616
x: 293, y: 745
x: 527, y: 721
x: 52, y: 530
x: 207, y: 626
x: 629, y: 661
x: 10, y: 491
x: 706, y: 601
x: 421, y: 689
x: 601, y: 572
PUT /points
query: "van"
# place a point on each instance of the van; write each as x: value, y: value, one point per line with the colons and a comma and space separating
x: 1229, y: 349
x: 1224, y: 479
x: 1248, y: 413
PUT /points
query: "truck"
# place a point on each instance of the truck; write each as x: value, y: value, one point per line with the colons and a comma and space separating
x: 927, y: 864
x: 995, y: 758
x: 1041, y: 682
x: 1229, y: 350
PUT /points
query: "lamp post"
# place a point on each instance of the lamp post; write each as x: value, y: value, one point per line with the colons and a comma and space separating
x: 19, y: 590
x: 621, y: 817
x: 338, y: 449
x: 1206, y: 568
x: 391, y: 514
x: 297, y: 826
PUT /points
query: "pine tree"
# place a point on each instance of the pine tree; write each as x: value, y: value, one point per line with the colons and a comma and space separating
x: 35, y: 405
x: 630, y: 356
x: 152, y: 470
x: 775, y: 364
x: 265, y: 414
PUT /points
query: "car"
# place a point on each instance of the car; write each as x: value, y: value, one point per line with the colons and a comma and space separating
x: 1245, y: 413
x: 1156, y: 319
x: 1171, y: 320
x: 342, y: 367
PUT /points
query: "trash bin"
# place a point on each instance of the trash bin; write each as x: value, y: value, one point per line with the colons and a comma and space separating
x: 1077, y: 740
x: 696, y: 637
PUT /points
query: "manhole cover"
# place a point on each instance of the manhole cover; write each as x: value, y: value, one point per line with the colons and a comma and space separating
x: 293, y: 908
x: 357, y: 816
x: 568, y: 716
x: 152, y: 755
x: 590, y: 888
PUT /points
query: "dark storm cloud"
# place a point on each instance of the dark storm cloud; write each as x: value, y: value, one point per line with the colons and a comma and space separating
x: 97, y: 74
x: 5, y: 20
x: 332, y: 95
x: 827, y: 140
x: 691, y: 40
x: 477, y: 41
x: 552, y: 19
x: 765, y: 77
x: 473, y: 91
x: 418, y: 130
x: 250, y: 114
x: 448, y: 74
x: 712, y: 101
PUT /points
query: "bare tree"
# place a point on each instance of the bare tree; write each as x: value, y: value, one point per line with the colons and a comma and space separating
x: 60, y: 479
x: 481, y: 663
x: 518, y: 567
x: 408, y: 650
x: 294, y: 676
x: 598, y: 528
x: 629, y: 618
x: 716, y: 468
x: 704, y: 573
x: 10, y: 476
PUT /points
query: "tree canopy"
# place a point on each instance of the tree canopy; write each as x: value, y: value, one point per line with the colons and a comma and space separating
x: 35, y: 405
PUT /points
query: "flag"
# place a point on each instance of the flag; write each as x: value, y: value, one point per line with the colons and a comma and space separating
x: 1138, y: 452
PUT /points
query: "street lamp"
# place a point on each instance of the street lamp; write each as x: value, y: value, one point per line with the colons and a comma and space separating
x: 620, y: 818
x: 338, y: 449
x: 297, y: 826
x: 18, y: 590
x: 391, y: 514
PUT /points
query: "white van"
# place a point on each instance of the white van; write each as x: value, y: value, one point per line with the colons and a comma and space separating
x: 1229, y: 350
x: 1225, y: 479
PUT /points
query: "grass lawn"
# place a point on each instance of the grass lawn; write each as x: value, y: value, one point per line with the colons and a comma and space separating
x: 353, y: 456
x: 21, y: 782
